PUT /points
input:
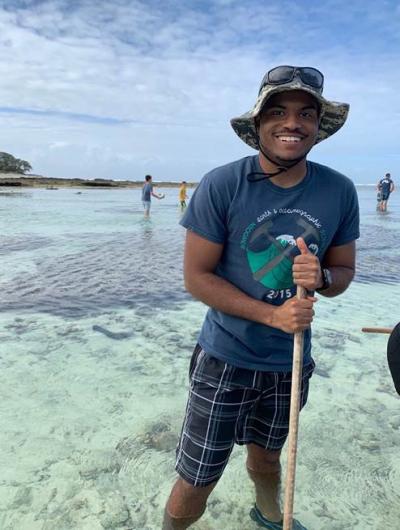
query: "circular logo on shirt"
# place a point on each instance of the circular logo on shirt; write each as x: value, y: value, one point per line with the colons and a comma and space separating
x: 271, y: 256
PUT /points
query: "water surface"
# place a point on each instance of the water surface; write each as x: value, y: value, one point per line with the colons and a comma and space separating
x: 96, y: 335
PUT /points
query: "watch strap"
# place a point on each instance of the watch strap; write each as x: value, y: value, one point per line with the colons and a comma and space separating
x: 326, y: 279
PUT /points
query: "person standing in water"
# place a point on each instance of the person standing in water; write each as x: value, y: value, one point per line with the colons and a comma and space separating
x: 256, y: 229
x: 385, y: 187
x: 183, y: 195
x: 147, y: 193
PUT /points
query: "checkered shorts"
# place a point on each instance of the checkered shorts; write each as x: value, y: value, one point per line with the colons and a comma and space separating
x: 229, y: 405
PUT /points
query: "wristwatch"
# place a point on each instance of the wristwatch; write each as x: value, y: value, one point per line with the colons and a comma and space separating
x: 326, y: 279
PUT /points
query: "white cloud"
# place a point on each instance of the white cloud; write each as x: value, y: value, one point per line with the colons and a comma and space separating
x: 177, y: 73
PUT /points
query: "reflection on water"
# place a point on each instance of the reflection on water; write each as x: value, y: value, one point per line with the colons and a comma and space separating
x: 377, y: 255
x: 17, y: 194
x: 147, y: 229
x: 115, y: 270
x: 96, y: 334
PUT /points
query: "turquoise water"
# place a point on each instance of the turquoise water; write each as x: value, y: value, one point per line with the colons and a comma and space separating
x: 96, y: 334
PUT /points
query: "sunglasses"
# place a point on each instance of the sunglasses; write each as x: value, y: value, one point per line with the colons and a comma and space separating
x: 285, y: 74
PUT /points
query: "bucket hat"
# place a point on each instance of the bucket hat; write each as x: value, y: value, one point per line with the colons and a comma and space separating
x: 332, y: 114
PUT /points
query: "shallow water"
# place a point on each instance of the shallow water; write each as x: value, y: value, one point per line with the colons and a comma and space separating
x: 96, y: 334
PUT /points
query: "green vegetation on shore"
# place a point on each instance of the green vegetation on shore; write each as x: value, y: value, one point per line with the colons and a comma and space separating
x: 10, y: 164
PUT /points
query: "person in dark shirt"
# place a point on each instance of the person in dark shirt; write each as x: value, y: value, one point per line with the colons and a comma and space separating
x: 385, y: 187
x: 256, y: 229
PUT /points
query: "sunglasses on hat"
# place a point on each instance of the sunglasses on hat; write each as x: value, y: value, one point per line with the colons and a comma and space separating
x: 285, y: 74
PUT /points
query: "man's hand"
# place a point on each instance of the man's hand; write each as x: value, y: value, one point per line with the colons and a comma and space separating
x: 307, y: 268
x: 294, y: 315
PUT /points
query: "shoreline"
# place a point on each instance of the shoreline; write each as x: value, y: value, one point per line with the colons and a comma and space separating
x: 15, y: 180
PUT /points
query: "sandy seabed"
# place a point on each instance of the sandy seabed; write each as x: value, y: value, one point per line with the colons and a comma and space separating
x: 93, y: 393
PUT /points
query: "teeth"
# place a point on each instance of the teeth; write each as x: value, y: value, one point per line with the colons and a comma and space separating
x: 289, y: 138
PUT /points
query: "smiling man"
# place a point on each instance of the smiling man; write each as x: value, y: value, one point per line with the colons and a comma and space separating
x: 257, y: 228
x: 287, y: 128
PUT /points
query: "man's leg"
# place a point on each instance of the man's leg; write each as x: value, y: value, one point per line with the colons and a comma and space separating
x: 207, y: 437
x: 264, y: 469
x: 185, y: 505
x: 272, y: 417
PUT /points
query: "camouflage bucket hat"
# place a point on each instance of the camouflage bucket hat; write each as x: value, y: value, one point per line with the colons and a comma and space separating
x: 332, y: 114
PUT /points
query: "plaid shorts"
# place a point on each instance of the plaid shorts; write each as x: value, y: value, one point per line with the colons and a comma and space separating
x: 229, y: 405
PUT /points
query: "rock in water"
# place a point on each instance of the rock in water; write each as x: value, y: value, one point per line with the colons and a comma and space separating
x: 116, y: 335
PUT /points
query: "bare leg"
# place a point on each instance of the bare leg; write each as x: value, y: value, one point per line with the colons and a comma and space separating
x: 264, y: 469
x: 185, y: 505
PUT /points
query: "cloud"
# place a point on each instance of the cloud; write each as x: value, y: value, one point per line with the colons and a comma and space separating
x: 129, y: 87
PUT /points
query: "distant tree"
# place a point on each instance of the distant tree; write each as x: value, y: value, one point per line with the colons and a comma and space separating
x: 6, y: 161
x: 10, y: 164
x: 23, y: 166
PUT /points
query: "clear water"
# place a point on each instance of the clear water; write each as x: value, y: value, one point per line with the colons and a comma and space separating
x: 96, y: 334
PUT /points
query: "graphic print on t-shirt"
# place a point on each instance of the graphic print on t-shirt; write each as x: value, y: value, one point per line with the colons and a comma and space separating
x: 271, y: 248
x: 385, y: 185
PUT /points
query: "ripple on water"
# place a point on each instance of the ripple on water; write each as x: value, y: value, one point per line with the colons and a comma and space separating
x: 23, y: 243
x: 377, y: 255
x: 121, y: 270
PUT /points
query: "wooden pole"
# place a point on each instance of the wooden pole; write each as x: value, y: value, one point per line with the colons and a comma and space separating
x: 293, y: 423
x: 377, y: 330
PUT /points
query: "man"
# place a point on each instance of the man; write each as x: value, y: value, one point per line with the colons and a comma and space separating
x: 257, y: 228
x: 147, y: 192
x: 183, y: 195
x: 385, y: 187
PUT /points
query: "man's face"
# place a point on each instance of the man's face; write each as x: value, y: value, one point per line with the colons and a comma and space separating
x: 289, y: 125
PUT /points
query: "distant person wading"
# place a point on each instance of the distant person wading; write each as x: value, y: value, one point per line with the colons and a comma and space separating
x: 183, y: 195
x: 385, y: 187
x: 147, y: 192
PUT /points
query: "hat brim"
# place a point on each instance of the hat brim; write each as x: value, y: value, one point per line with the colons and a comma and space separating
x: 332, y: 118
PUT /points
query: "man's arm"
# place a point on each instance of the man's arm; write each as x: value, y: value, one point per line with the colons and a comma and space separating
x: 201, y: 259
x: 339, y: 260
x: 155, y: 194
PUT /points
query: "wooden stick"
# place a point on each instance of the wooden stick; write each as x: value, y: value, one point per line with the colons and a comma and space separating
x: 377, y: 330
x: 293, y: 423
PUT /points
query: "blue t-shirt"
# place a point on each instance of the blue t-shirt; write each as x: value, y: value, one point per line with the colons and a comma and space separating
x: 146, y: 191
x: 385, y: 185
x: 258, y: 222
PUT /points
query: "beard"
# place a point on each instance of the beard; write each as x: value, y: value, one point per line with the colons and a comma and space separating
x: 283, y: 161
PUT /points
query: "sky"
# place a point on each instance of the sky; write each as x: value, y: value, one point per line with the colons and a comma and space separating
x: 123, y: 88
